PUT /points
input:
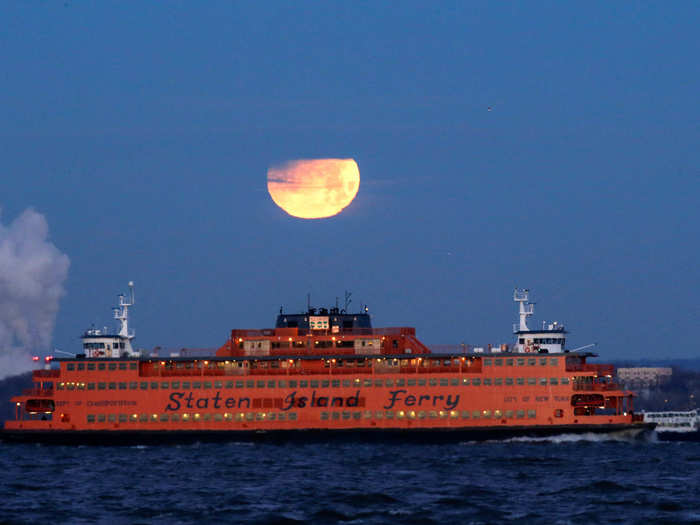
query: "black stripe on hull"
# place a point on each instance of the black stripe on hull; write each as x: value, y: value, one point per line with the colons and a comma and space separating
x: 422, y: 435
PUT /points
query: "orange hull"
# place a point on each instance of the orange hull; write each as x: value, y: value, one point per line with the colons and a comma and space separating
x: 433, y: 392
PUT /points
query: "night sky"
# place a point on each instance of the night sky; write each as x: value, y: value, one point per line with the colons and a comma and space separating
x: 143, y: 133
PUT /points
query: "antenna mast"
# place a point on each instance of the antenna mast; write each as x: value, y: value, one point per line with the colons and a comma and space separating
x: 526, y: 308
x: 121, y: 313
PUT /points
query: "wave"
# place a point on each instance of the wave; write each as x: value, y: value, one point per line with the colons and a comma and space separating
x: 625, y: 436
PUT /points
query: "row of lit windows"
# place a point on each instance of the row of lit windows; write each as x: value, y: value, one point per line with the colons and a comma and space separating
x: 430, y: 414
x: 545, y: 341
x: 187, y: 417
x: 102, y: 366
x: 521, y: 361
x: 325, y: 383
x: 325, y: 416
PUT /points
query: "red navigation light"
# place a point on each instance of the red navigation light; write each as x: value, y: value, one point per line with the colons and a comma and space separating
x: 35, y: 358
x: 48, y: 358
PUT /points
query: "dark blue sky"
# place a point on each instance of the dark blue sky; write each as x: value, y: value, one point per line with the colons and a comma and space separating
x: 143, y: 133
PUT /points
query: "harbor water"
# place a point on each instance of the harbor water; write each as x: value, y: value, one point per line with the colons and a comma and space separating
x: 567, y: 479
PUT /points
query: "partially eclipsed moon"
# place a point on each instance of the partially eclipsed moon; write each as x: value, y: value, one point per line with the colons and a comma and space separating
x: 314, y: 188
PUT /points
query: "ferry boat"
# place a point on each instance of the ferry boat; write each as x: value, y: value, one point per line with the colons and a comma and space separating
x: 675, y: 425
x: 322, y: 373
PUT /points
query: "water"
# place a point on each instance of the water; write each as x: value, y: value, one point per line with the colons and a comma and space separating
x: 562, y: 480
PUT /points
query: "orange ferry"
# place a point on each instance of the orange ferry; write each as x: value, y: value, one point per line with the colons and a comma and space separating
x: 324, y: 372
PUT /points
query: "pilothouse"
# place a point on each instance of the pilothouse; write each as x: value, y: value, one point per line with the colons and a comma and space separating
x: 105, y: 344
x: 549, y: 340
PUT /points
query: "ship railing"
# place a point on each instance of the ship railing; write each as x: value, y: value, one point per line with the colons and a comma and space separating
x: 38, y: 392
x: 589, y: 367
x: 449, y: 349
x: 164, y: 353
x: 270, y: 332
x: 596, y: 387
x: 46, y: 373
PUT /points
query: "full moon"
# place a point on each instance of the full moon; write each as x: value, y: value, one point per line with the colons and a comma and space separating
x: 314, y: 188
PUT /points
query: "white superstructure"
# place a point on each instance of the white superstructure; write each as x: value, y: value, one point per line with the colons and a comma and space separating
x: 550, y: 339
x: 102, y: 343
x: 674, y: 421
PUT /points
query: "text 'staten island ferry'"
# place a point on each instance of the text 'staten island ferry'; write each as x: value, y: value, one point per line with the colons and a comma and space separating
x: 322, y: 373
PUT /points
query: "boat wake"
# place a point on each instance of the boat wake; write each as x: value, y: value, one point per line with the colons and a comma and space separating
x: 622, y: 436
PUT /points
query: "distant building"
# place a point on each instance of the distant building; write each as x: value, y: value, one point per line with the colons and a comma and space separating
x: 644, y: 377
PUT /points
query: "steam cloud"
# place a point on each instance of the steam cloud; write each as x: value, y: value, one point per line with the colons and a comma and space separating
x: 32, y: 272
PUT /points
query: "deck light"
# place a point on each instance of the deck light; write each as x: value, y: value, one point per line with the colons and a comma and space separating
x: 18, y: 403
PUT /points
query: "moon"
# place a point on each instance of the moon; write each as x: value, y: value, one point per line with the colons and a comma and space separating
x: 314, y: 188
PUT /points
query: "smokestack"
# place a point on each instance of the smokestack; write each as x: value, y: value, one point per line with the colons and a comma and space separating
x: 32, y: 273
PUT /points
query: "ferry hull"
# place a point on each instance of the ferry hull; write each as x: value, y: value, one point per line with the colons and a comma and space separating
x: 635, y: 431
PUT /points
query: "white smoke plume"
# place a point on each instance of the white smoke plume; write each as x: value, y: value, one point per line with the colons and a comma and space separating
x: 32, y: 272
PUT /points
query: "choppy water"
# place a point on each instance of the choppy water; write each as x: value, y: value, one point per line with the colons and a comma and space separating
x: 563, y: 480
